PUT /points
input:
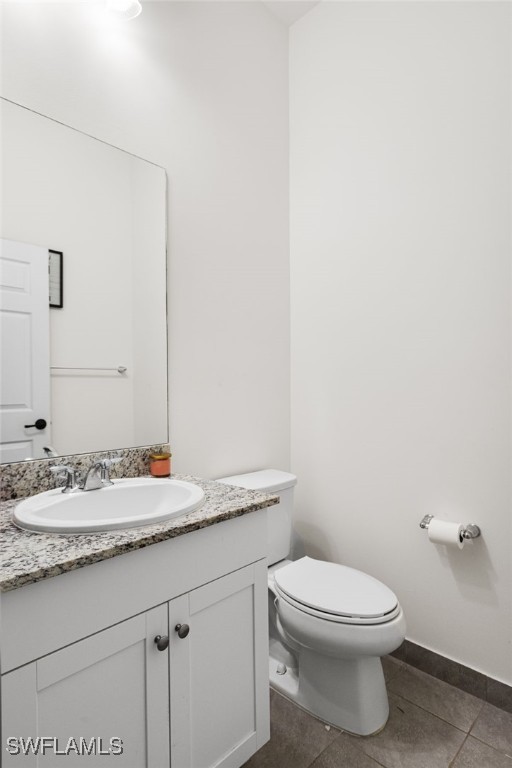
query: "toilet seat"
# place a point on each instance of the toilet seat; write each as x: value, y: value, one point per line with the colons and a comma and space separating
x: 335, y: 592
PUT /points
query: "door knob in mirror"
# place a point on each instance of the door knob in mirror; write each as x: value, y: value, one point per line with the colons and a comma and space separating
x: 39, y: 424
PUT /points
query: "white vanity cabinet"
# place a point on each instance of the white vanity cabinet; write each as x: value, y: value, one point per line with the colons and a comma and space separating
x: 77, y: 665
x: 219, y: 702
x: 108, y: 687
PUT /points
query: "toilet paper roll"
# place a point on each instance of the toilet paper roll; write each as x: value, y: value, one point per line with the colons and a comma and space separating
x: 444, y: 532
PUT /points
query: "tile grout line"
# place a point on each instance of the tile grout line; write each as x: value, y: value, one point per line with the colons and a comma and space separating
x: 486, y: 744
x: 476, y: 718
x: 452, y: 762
x: 355, y: 744
x: 461, y: 730
x: 438, y: 717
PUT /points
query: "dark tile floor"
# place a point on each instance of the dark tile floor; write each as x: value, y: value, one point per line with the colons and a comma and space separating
x: 431, y: 725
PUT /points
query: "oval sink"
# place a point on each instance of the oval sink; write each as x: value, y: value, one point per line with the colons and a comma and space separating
x: 125, y: 504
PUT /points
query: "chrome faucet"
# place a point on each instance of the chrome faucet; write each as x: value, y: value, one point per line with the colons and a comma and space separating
x: 97, y: 475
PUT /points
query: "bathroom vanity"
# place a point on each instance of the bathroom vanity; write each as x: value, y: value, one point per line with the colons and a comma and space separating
x: 154, y: 637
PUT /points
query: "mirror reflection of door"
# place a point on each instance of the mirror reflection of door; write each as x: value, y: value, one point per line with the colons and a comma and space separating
x: 24, y: 333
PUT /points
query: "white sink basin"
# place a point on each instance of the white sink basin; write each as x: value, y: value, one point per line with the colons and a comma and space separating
x: 125, y: 504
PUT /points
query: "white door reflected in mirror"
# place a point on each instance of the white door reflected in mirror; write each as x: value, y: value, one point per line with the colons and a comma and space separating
x: 25, y: 335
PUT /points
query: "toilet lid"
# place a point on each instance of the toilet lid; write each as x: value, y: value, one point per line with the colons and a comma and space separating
x: 335, y: 589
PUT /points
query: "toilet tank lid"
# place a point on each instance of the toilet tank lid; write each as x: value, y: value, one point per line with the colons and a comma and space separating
x: 267, y: 480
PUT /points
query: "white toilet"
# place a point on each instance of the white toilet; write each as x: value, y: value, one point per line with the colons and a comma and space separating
x: 329, y: 624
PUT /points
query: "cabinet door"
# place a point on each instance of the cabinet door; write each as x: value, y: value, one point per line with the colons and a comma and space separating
x: 111, y: 685
x: 219, y: 672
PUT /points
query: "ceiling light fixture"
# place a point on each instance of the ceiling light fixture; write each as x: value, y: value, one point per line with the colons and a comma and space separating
x: 124, y: 9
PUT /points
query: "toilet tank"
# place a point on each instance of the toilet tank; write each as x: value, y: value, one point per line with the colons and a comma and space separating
x: 279, y: 516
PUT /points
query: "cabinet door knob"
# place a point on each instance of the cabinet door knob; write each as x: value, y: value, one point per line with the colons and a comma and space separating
x: 162, y: 642
x: 182, y: 630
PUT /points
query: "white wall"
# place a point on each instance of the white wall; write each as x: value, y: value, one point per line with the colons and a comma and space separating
x: 401, y: 295
x: 200, y: 89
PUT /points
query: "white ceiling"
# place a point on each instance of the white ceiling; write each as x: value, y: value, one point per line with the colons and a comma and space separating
x: 289, y: 11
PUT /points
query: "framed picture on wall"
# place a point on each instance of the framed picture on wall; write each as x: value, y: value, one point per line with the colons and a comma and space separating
x: 55, y: 268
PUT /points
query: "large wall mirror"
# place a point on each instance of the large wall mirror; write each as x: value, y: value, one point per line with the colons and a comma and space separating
x: 83, y: 316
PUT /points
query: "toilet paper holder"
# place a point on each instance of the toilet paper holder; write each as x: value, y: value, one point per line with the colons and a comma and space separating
x: 470, y: 531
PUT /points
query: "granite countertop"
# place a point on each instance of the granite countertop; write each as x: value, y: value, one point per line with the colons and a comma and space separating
x: 28, y: 557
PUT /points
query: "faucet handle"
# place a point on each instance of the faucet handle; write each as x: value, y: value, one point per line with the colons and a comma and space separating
x: 105, y: 464
x: 61, y: 470
x: 110, y: 461
x: 71, y: 475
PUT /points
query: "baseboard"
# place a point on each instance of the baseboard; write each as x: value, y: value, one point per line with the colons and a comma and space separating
x: 467, y: 679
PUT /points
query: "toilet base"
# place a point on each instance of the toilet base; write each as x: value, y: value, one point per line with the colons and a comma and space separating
x: 349, y: 694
